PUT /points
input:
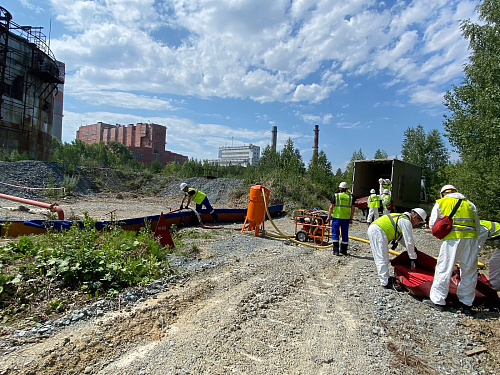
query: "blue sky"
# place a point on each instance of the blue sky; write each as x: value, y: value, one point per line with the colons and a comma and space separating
x: 224, y: 72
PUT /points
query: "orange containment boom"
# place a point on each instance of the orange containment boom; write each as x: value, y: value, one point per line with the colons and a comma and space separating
x: 256, y: 212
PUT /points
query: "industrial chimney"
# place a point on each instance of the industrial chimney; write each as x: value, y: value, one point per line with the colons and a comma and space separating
x: 273, y: 138
x: 316, y: 136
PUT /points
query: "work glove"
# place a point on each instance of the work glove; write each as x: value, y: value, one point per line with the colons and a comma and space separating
x: 394, y: 244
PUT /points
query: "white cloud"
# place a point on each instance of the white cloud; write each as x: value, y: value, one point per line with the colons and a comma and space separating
x: 29, y: 5
x: 426, y: 95
x: 258, y: 49
x: 315, y: 119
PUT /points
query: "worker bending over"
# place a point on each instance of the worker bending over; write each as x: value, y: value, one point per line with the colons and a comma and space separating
x: 393, y: 228
x: 197, y: 197
x: 490, y: 234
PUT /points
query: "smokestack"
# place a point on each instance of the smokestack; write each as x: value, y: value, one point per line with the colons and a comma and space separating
x: 316, y: 136
x: 273, y: 138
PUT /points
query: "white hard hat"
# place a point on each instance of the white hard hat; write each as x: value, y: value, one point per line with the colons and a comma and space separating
x: 343, y: 185
x: 381, y: 180
x: 386, y: 191
x: 372, y: 191
x: 183, y: 185
x: 420, y: 212
x: 307, y: 220
x: 448, y: 187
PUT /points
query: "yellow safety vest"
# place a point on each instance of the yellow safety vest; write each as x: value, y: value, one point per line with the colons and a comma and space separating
x: 493, y: 232
x: 198, y: 196
x: 464, y: 225
x: 386, y: 185
x: 343, y: 203
x: 388, y: 223
x: 374, y: 201
x: 388, y: 200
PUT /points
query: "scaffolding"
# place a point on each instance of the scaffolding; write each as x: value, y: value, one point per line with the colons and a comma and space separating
x: 29, y: 77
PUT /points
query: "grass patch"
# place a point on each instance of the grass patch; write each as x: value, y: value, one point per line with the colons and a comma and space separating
x: 47, y: 274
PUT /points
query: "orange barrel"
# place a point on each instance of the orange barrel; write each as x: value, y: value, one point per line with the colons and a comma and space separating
x: 256, y: 212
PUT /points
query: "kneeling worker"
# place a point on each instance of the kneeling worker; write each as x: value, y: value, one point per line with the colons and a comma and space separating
x: 393, y: 227
x: 197, y: 197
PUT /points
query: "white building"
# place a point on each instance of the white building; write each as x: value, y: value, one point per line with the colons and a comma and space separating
x: 239, y: 155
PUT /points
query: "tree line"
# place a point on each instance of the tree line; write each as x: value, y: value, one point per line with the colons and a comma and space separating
x: 472, y: 127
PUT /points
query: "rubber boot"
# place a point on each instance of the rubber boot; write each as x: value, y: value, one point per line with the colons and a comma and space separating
x: 343, y: 249
x: 214, y: 216
x: 336, y: 248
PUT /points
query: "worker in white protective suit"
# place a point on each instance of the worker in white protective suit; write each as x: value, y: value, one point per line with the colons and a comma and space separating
x: 373, y: 206
x: 393, y: 228
x: 459, y: 246
x: 386, y: 201
x: 490, y: 234
x: 384, y: 184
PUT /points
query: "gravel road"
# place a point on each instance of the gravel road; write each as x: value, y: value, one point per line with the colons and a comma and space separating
x: 255, y: 305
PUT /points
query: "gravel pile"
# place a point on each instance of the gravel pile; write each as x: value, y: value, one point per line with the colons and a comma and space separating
x: 218, y: 190
x: 28, y: 179
x: 17, y: 177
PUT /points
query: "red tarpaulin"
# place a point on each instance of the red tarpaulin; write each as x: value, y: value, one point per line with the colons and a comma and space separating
x: 419, y: 282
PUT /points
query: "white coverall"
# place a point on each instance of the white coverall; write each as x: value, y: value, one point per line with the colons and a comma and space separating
x: 379, y: 244
x: 494, y: 262
x: 456, y: 250
x: 385, y: 198
x: 373, y: 211
x: 494, y: 273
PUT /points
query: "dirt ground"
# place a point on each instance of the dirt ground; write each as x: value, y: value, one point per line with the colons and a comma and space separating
x: 267, y: 307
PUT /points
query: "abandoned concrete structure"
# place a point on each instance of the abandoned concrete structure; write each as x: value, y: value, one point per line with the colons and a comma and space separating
x: 146, y: 141
x: 31, y: 81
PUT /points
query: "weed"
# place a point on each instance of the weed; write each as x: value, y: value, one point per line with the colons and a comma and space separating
x: 81, y: 259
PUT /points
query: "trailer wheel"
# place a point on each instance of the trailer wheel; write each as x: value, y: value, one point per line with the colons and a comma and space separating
x: 302, y: 236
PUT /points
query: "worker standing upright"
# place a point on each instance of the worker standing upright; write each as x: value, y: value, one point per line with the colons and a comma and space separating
x: 342, y: 206
x: 384, y: 184
x: 373, y: 206
x: 386, y: 202
x: 490, y: 234
x: 459, y: 246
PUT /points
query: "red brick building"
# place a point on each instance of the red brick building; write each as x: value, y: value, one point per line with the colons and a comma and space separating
x: 146, y: 141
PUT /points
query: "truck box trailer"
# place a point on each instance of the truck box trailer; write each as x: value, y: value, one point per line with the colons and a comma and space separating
x: 407, y: 190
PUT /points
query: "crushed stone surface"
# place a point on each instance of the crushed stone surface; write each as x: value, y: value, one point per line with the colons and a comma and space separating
x: 251, y: 305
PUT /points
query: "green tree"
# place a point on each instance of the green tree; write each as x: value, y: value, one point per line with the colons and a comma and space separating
x: 67, y: 153
x: 473, y: 125
x: 380, y: 154
x: 429, y: 152
x: 319, y: 171
x: 291, y: 160
x: 122, y: 154
x: 268, y: 161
